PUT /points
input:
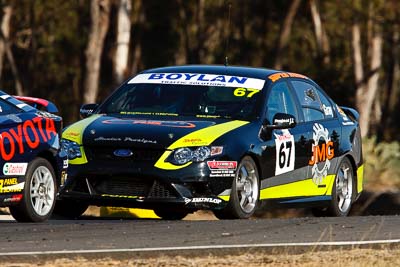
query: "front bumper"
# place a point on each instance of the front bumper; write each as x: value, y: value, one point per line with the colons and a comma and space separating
x: 141, y: 185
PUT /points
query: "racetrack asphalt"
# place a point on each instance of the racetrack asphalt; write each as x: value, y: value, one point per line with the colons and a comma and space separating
x: 93, y: 234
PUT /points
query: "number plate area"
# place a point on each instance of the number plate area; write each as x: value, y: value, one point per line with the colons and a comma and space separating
x: 285, y: 151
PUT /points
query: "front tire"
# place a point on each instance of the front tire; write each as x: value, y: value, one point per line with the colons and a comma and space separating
x: 245, y: 192
x: 69, y: 209
x: 39, y: 193
x: 170, y: 214
x: 343, y: 191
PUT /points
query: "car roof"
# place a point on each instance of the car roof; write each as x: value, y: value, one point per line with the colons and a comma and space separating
x: 259, y: 73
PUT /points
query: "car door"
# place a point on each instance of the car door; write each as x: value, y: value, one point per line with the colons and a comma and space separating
x: 284, y: 152
x: 323, y: 136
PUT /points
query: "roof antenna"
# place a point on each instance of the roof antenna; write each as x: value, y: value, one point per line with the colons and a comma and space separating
x: 227, y: 36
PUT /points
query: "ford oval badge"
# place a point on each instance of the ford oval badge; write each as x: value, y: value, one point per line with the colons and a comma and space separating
x: 123, y: 153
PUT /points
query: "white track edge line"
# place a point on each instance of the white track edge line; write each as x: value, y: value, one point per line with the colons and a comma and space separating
x: 304, y: 244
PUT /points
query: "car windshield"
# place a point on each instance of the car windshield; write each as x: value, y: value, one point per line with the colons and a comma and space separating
x: 183, y: 100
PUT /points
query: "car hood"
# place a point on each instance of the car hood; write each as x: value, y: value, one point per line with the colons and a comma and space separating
x: 102, y: 130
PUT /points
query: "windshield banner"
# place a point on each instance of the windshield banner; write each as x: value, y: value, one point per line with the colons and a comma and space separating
x: 199, y: 79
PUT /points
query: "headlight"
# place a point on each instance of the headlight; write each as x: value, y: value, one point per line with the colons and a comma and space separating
x: 72, y: 148
x: 185, y: 154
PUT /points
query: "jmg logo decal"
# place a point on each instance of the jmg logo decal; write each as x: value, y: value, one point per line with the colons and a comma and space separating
x: 321, y: 153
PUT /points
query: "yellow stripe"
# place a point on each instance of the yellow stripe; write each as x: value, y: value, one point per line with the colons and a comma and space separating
x: 81, y: 160
x: 360, y: 178
x: 307, y: 187
x: 298, y: 189
x: 75, y: 133
x: 202, y: 137
x: 225, y: 198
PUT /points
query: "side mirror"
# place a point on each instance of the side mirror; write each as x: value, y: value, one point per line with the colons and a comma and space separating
x: 281, y: 121
x: 87, y: 109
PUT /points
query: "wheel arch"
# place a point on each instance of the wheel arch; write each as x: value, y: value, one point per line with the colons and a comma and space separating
x: 354, y: 166
x: 256, y: 160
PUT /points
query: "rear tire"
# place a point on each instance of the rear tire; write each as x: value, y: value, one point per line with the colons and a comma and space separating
x: 39, y: 193
x: 170, y: 214
x: 343, y: 191
x: 320, y: 212
x: 245, y: 192
x: 69, y: 209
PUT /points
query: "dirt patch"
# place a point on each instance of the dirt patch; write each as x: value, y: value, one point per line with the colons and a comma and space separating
x: 339, y: 257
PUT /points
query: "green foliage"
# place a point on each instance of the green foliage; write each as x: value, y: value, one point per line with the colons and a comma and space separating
x: 382, y: 163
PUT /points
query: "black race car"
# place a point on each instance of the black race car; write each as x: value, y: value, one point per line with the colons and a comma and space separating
x: 33, y: 165
x: 180, y: 139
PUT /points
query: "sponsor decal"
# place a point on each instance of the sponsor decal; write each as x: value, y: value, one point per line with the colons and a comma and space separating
x: 11, y: 188
x: 281, y: 121
x: 101, y: 138
x: 45, y: 114
x: 321, y: 153
x: 65, y: 163
x: 346, y: 120
x: 173, y: 124
x: 14, y: 118
x: 124, y: 153
x: 26, y: 136
x: 276, y: 76
x: 14, y: 168
x: 342, y: 113
x: 125, y: 139
x: 70, y: 134
x: 14, y: 198
x: 118, y: 196
x: 285, y: 151
x: 198, y: 79
x: 327, y: 110
x: 191, y: 140
x: 222, y: 165
x: 64, y: 177
x: 216, y: 150
x: 148, y: 113
x: 202, y: 200
x: 8, y: 182
x: 222, y: 168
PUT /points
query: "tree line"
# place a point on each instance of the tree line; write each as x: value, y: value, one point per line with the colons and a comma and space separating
x: 78, y: 51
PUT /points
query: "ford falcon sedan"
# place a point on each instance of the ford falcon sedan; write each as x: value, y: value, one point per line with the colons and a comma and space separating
x: 184, y: 138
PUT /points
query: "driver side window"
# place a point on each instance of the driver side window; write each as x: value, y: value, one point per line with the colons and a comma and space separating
x: 280, y: 100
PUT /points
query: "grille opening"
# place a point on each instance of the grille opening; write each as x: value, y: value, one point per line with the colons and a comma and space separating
x: 158, y: 190
x: 125, y: 186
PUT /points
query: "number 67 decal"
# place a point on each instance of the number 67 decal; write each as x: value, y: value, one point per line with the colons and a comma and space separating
x: 285, y: 152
